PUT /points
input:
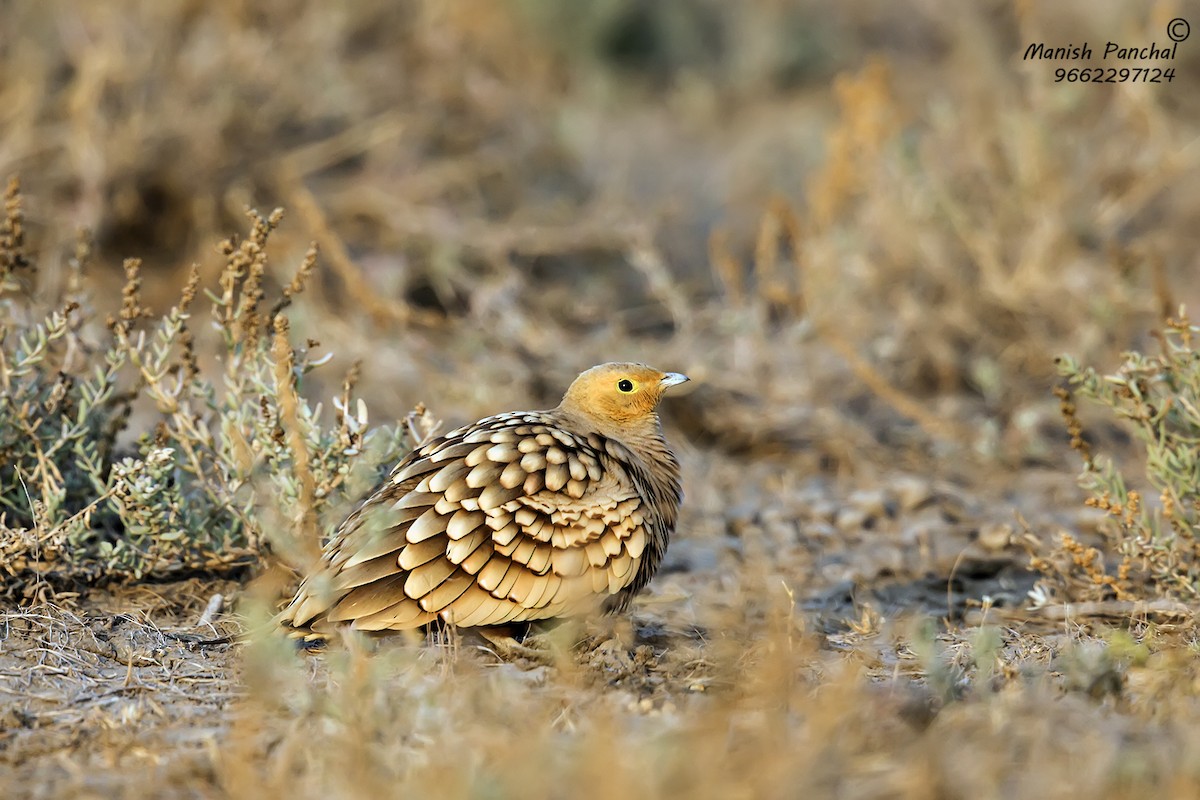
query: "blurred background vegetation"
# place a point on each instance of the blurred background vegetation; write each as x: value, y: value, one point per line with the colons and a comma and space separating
x: 692, y: 182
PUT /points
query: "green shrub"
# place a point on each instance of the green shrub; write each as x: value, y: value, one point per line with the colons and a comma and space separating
x: 83, y: 498
x: 1156, y: 543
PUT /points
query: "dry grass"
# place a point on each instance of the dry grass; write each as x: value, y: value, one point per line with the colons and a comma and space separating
x: 865, y: 233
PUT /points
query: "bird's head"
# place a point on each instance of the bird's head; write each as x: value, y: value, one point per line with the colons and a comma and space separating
x: 619, y: 396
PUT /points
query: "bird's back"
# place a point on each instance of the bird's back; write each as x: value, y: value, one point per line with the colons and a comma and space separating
x: 521, y: 516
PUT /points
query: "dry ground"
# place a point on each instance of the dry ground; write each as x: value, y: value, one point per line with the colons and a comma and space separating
x: 865, y: 233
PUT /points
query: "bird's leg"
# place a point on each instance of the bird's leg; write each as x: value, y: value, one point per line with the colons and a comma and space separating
x: 545, y: 641
x: 506, y: 640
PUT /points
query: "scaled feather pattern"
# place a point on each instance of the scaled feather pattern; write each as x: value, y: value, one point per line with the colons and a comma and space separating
x: 521, y: 516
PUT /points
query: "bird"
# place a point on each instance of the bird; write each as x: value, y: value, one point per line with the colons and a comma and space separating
x: 519, y: 517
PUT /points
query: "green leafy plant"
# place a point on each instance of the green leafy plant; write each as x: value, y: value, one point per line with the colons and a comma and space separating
x: 83, y: 497
x: 1159, y: 396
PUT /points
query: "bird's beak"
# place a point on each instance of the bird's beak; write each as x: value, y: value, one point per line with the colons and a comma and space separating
x: 672, y: 379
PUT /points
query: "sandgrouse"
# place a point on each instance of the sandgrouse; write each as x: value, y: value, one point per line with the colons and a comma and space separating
x: 521, y: 516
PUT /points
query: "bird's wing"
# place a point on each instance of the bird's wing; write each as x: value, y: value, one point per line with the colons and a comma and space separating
x: 513, y: 518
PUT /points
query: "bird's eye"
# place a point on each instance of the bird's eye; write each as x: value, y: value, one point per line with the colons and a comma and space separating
x: 625, y: 385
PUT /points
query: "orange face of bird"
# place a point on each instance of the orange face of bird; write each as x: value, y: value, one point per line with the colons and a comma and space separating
x: 619, y: 393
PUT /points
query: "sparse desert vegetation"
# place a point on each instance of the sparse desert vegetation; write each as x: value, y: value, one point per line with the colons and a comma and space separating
x: 940, y: 460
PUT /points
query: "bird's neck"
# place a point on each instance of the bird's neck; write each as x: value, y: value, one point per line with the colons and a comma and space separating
x: 645, y: 438
x: 642, y: 435
x: 646, y: 441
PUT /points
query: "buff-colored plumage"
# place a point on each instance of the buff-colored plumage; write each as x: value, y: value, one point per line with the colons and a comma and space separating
x: 522, y: 516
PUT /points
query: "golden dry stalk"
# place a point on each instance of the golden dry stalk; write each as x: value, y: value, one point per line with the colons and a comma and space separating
x: 521, y: 516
